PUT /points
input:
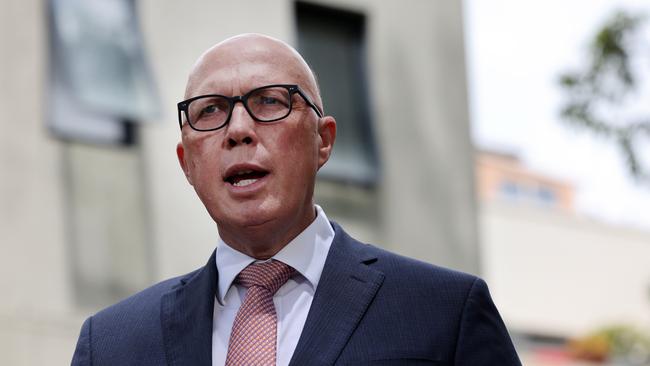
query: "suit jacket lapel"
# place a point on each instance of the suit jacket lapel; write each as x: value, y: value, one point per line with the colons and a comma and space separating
x: 186, y: 317
x: 345, y: 290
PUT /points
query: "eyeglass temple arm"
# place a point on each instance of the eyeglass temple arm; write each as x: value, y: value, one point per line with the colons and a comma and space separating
x: 311, y: 104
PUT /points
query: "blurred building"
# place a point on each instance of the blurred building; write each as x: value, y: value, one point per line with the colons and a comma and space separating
x: 500, y: 176
x: 553, y: 273
x: 93, y: 204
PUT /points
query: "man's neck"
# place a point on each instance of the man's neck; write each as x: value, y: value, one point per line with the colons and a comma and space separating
x: 264, y: 241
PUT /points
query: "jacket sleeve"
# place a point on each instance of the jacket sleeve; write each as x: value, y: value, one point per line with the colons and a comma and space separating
x: 82, y: 354
x: 483, y: 338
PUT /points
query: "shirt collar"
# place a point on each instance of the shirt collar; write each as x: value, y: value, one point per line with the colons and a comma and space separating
x: 306, y: 253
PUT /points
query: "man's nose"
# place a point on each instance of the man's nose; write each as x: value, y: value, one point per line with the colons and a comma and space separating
x: 240, y: 130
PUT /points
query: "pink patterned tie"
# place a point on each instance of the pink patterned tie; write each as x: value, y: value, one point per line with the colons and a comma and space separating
x: 254, y: 332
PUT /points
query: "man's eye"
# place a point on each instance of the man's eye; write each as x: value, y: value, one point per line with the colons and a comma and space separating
x: 269, y: 100
x: 210, y: 109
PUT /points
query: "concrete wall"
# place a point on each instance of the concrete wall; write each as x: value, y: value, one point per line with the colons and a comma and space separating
x: 422, y: 206
x: 37, y: 314
x: 557, y: 274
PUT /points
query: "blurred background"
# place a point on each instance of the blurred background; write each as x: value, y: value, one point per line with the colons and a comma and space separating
x: 503, y: 138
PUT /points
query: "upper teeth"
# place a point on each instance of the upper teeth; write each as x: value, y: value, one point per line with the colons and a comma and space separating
x: 244, y: 182
x: 244, y: 172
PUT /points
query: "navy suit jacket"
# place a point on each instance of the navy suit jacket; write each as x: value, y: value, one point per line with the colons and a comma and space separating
x: 371, y: 307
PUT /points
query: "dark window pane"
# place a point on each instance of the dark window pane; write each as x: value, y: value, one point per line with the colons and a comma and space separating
x: 98, y: 73
x: 333, y: 43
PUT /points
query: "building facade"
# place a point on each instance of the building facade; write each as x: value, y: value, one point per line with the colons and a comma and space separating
x: 88, y: 220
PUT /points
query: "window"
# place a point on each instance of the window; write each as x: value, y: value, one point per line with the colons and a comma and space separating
x: 99, y: 80
x: 546, y: 196
x: 509, y: 190
x: 99, y: 87
x: 333, y: 43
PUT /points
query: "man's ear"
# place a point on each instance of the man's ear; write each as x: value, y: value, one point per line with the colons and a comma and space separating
x: 327, y: 133
x: 180, y: 152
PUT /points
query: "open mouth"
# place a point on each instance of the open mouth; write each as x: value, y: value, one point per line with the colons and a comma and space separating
x: 245, y: 177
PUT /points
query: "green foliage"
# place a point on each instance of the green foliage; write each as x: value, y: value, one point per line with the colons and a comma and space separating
x: 604, y: 86
x: 624, y: 344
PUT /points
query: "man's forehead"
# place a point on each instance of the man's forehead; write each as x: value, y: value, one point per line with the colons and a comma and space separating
x: 250, y: 48
x: 250, y: 60
x: 242, y: 76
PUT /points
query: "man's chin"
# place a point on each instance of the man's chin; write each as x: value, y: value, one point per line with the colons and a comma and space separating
x: 247, y: 220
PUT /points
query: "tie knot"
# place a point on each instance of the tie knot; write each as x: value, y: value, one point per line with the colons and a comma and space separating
x: 271, y: 275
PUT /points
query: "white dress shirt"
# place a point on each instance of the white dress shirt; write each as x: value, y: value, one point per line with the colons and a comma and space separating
x: 306, y: 253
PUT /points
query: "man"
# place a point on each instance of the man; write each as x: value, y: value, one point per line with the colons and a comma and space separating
x: 285, y: 286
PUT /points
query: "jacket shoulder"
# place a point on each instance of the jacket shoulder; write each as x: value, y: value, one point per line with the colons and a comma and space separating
x: 136, y: 319
x: 128, y: 332
x: 400, y: 267
x: 428, y: 304
x: 415, y: 271
x: 145, y: 301
x: 396, y: 261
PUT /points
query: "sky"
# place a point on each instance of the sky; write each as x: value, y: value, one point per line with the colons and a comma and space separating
x: 515, y: 52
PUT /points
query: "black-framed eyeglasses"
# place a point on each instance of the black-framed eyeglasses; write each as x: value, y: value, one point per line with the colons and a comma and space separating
x: 264, y: 104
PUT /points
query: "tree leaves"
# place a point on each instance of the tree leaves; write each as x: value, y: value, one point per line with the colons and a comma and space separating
x: 597, y: 94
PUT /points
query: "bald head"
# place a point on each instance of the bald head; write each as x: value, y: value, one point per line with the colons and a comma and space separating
x: 254, y: 60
